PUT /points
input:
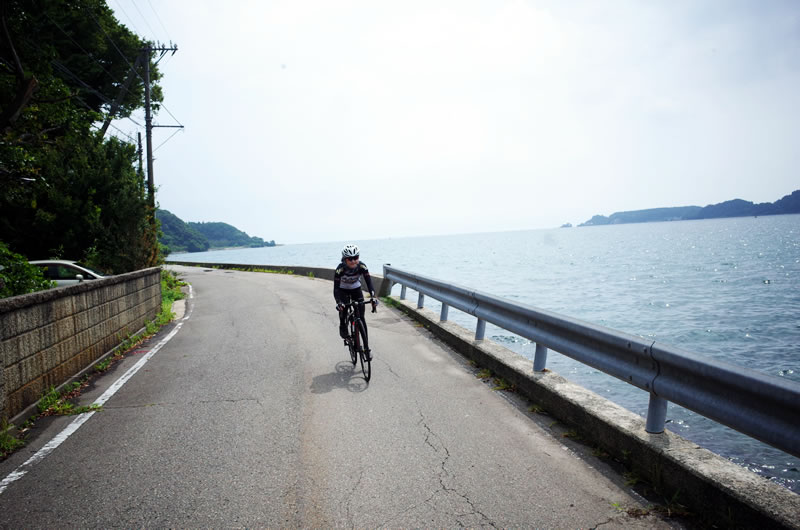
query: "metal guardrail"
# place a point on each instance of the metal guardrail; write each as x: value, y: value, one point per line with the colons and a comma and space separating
x: 764, y: 407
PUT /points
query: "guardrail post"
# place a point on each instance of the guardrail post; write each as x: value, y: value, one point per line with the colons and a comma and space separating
x: 403, y: 293
x: 443, y: 315
x: 480, y: 331
x: 420, y: 301
x: 540, y: 358
x: 656, y: 414
x: 385, y: 289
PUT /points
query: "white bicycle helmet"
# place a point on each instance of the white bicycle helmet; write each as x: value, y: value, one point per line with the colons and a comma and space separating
x: 350, y: 251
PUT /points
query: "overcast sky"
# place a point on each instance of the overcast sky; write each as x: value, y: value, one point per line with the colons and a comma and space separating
x: 328, y: 121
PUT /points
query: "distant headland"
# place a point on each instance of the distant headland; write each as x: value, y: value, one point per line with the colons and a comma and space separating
x: 735, y: 208
x: 179, y: 236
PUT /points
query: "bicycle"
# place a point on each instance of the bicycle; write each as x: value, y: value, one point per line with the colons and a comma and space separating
x: 356, y: 340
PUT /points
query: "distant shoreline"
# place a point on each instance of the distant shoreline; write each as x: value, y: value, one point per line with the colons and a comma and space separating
x: 241, y: 247
x: 789, y: 204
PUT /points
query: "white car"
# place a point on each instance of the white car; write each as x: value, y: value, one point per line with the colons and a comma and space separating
x: 65, y: 272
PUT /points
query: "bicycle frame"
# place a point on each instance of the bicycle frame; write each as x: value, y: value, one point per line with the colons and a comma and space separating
x: 357, y: 333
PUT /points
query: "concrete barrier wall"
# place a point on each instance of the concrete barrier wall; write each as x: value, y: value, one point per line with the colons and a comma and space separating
x: 49, y: 336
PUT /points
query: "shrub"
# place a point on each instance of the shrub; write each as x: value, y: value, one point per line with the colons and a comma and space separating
x: 17, y: 276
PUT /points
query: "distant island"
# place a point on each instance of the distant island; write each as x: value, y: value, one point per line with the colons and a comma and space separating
x: 180, y: 236
x: 735, y: 208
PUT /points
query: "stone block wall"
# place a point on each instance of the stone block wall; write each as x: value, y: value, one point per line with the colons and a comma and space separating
x: 49, y: 336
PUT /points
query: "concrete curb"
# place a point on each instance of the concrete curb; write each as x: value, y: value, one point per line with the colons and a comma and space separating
x: 716, y: 489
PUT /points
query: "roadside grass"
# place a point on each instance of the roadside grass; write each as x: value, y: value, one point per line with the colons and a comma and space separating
x: 389, y: 301
x: 573, y: 434
x: 536, y: 409
x: 8, y: 442
x: 670, y: 509
x: 60, y: 403
x: 55, y: 403
x: 502, y: 384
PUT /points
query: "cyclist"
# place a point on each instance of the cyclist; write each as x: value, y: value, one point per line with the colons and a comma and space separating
x: 347, y: 285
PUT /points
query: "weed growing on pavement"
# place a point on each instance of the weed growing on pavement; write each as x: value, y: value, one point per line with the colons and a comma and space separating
x: 389, y: 301
x: 55, y: 403
x: 631, y: 478
x: 537, y: 409
x: 484, y: 374
x: 573, y: 434
x: 8, y: 442
x: 502, y: 384
x: 103, y: 365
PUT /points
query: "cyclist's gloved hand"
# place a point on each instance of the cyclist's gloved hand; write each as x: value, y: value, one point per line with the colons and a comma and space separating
x: 339, y: 307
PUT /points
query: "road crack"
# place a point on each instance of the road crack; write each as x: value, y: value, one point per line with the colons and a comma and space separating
x: 443, y: 473
x: 350, y: 499
x: 611, y: 519
x: 389, y: 366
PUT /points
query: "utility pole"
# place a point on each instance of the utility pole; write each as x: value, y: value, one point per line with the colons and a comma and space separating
x: 148, y: 118
x: 139, y: 152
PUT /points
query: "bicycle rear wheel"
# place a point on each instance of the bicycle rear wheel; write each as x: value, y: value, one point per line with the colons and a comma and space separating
x: 351, y: 343
x: 363, y: 349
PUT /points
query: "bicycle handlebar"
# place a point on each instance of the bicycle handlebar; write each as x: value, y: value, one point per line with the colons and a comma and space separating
x: 372, y: 301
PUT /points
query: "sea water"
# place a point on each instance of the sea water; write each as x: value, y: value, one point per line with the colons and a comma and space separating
x: 728, y: 289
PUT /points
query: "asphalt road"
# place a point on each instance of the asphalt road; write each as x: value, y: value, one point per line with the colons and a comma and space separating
x: 252, y: 415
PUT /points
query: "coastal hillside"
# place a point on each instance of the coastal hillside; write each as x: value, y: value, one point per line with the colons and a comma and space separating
x: 733, y: 208
x: 177, y: 236
x: 180, y: 236
x: 221, y: 235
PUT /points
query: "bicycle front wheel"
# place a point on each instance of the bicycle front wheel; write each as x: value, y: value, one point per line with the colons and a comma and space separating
x: 363, y: 350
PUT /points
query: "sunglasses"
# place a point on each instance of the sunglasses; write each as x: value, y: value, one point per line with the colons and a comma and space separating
x: 352, y: 259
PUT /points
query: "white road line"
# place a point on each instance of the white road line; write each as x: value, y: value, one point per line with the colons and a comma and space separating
x: 50, y: 446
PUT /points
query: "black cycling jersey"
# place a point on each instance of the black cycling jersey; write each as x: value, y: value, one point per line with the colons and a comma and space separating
x: 348, y: 279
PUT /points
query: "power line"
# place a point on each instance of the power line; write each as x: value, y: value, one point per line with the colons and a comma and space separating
x: 115, y: 46
x: 89, y: 55
x: 168, y: 112
x: 123, y: 133
x: 153, y: 33
x: 112, y: 125
x: 128, y: 17
x: 64, y: 69
x: 168, y: 139
x: 96, y: 92
x: 159, y: 20
x: 163, y: 52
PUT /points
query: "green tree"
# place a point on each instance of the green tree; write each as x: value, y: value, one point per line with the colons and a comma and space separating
x: 66, y: 191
